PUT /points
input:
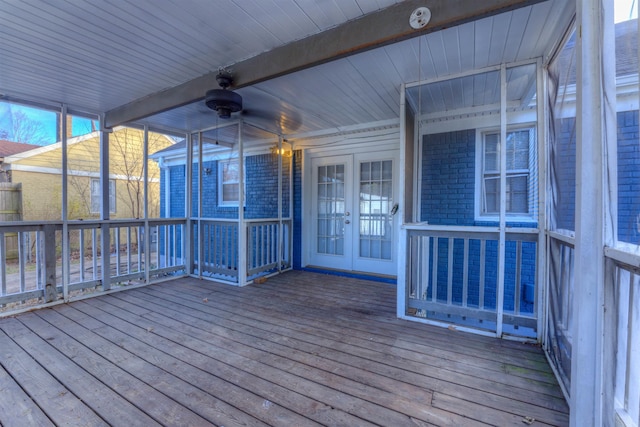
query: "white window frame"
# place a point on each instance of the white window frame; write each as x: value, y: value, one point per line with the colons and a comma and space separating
x: 95, y: 207
x: 532, y: 216
x: 220, y: 184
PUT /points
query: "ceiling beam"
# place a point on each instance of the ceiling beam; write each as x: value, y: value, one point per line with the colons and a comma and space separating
x: 368, y: 32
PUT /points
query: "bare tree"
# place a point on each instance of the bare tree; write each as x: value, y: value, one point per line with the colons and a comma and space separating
x: 130, y: 166
x: 127, y: 164
x: 25, y: 129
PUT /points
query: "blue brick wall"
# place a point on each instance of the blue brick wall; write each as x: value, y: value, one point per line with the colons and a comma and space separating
x: 564, y: 151
x: 177, y: 179
x: 563, y: 157
x: 448, y: 178
x: 297, y: 209
x: 262, y: 186
x: 628, y: 177
x: 261, y: 190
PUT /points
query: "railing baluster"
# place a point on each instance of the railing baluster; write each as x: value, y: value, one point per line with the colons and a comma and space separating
x: 632, y: 380
x: 450, y: 272
x: 3, y: 267
x: 169, y: 237
x: 116, y: 239
x: 215, y: 235
x: 141, y: 248
x: 253, y: 251
x: 81, y: 253
x: 267, y: 232
x: 483, y: 253
x: 39, y: 239
x: 422, y: 258
x: 434, y: 273
x: 518, y: 285
x: 465, y: 273
x: 174, y: 259
x: 94, y: 252
x: 207, y: 244
x: 22, y: 258
x: 234, y: 252
x: 128, y: 249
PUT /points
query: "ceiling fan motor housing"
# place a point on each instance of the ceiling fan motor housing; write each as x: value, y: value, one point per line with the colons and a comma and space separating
x: 223, y: 100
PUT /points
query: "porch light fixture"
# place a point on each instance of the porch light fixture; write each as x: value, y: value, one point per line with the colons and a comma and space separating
x: 420, y: 18
x: 284, y: 152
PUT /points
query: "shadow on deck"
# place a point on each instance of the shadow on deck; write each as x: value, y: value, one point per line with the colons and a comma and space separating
x: 301, y: 349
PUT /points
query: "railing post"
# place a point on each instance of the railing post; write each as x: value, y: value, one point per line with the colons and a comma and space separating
x: 242, y: 226
x: 404, y: 265
x: 50, y: 292
x: 105, y: 246
x: 3, y: 266
x: 595, y: 210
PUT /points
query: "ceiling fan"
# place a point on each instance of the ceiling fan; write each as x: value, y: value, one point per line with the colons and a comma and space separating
x: 267, y: 109
x: 223, y: 100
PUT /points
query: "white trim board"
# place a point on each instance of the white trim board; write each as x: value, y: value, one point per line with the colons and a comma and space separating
x: 56, y: 171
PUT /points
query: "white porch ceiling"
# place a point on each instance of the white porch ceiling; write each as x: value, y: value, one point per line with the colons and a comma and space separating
x: 98, y: 55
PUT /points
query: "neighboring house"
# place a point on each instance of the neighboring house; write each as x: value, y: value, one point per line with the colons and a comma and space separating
x: 40, y: 173
x: 9, y: 148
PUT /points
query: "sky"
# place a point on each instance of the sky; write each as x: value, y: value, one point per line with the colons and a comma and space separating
x: 47, y: 119
x: 624, y: 10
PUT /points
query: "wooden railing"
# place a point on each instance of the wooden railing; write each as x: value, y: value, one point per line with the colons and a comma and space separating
x: 268, y: 246
x: 452, y: 277
x: 622, y: 326
x: 558, y: 340
x: 30, y: 271
x: 216, y: 248
x: 45, y: 267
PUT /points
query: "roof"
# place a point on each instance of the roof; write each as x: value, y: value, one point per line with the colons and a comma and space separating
x: 626, y: 35
x: 8, y: 148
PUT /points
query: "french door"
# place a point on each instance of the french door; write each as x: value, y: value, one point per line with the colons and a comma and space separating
x: 354, y: 201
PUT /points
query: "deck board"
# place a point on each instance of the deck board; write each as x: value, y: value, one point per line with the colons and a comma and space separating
x: 301, y: 349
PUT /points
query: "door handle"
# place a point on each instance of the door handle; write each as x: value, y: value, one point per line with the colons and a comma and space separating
x: 346, y: 221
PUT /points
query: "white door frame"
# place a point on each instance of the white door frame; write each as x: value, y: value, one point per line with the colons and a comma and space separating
x: 355, y: 155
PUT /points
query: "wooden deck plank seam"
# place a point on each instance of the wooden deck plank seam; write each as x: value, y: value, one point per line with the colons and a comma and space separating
x: 162, y: 320
x: 165, y: 313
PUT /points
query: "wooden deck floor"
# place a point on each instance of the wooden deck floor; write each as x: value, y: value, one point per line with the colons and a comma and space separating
x: 301, y: 349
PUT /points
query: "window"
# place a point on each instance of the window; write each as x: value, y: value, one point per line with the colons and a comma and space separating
x: 521, y: 194
x: 228, y: 183
x: 95, y: 196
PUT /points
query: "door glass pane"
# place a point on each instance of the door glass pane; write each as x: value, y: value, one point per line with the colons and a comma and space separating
x: 376, y: 200
x: 331, y: 209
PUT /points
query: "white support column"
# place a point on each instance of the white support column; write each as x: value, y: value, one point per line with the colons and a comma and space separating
x: 188, y: 246
x: 280, y: 230
x: 596, y: 132
x: 401, y: 250
x: 289, y: 244
x: 541, y: 262
x: 200, y: 230
x: 503, y: 200
x: 65, y: 214
x: 542, y: 276
x: 242, y: 228
x: 105, y: 235
x: 145, y: 207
